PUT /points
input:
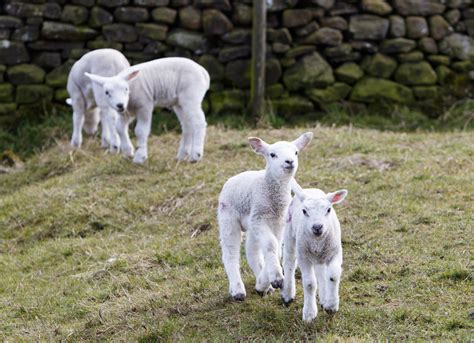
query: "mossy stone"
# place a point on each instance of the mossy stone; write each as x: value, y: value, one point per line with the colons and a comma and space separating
x: 61, y: 95
x: 379, y: 65
x: 188, y: 40
x: 7, y: 108
x: 58, y: 76
x: 414, y: 56
x: 152, y: 31
x: 426, y: 92
x: 333, y: 93
x: 28, y: 94
x: 462, y: 66
x: 439, y: 59
x: 61, y: 31
x: 276, y: 91
x: 444, y: 74
x: 6, y: 92
x: 213, y: 66
x: 310, y: 71
x: 104, y: 44
x: 419, y: 73
x: 397, y: 45
x: 100, y: 17
x: 349, y: 73
x: 230, y: 101
x: 372, y: 89
x: 164, y: 15
x: 74, y: 14
x: 25, y: 74
x: 292, y: 106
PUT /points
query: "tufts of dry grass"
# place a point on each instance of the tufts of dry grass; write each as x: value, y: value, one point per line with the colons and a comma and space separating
x: 93, y: 247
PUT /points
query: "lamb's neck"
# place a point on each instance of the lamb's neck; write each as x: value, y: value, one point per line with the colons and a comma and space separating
x: 277, y: 187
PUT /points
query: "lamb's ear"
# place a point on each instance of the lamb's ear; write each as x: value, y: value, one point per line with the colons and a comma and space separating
x: 258, y: 145
x: 303, y: 140
x: 296, y: 188
x: 337, y: 197
x: 131, y: 76
x: 96, y: 78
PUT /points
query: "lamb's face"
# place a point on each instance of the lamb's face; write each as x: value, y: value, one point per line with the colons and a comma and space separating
x: 281, y: 157
x: 316, y: 212
x: 116, y: 88
x: 116, y: 92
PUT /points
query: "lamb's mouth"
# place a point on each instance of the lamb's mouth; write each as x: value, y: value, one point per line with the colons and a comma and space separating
x: 289, y: 169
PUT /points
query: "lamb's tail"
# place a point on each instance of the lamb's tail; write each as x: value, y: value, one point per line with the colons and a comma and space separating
x: 69, y: 101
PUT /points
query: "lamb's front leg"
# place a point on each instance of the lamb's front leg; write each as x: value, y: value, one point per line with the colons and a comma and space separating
x: 126, y: 146
x: 142, y: 131
x: 320, y: 271
x: 333, y: 278
x: 198, y: 126
x: 272, y: 272
x: 110, y: 138
x: 288, y: 291
x: 310, y: 310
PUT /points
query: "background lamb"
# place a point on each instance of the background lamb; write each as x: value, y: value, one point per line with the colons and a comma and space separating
x: 257, y: 202
x: 88, y: 100
x: 174, y: 82
x: 313, y: 240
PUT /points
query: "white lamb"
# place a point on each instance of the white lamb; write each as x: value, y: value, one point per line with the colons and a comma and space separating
x: 87, y: 99
x: 313, y: 240
x: 174, y: 82
x: 257, y: 202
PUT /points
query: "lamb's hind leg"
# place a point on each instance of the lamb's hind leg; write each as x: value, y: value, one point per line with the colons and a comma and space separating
x: 92, y: 120
x: 270, y: 246
x: 197, y: 124
x: 142, y: 131
x: 186, y: 134
x: 78, y: 107
x: 230, y: 237
x: 256, y: 263
x: 110, y: 138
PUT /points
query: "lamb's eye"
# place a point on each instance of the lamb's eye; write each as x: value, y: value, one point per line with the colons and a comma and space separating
x: 296, y: 152
x: 272, y: 155
x: 107, y: 93
x: 305, y: 212
x: 329, y: 210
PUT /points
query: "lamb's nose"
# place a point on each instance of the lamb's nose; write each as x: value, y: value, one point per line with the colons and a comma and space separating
x: 289, y: 162
x: 317, y: 229
x: 120, y: 106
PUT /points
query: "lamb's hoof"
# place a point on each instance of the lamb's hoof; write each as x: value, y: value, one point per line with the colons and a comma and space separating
x: 277, y: 283
x: 330, y: 311
x: 138, y: 159
x: 287, y: 302
x: 113, y: 150
x: 239, y: 297
x: 261, y: 293
x: 195, y: 157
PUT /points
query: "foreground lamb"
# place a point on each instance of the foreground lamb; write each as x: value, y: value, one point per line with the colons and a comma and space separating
x: 313, y: 239
x: 88, y: 100
x: 174, y: 82
x: 257, y: 202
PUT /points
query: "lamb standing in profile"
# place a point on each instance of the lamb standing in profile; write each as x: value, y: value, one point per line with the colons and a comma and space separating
x: 257, y: 202
x: 313, y: 239
x: 172, y: 82
x: 88, y: 102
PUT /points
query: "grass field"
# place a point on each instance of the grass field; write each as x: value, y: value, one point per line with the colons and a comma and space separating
x: 93, y: 247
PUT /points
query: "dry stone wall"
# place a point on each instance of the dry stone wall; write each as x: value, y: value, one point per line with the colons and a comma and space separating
x: 318, y: 51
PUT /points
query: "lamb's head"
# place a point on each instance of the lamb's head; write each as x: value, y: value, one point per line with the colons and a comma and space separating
x: 281, y: 157
x: 316, y: 210
x: 116, y: 88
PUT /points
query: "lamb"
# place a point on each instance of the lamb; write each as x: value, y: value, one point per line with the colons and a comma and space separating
x: 87, y: 100
x: 313, y: 240
x: 173, y: 82
x: 257, y: 202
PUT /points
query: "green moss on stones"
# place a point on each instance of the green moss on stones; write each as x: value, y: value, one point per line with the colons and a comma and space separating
x: 371, y: 89
x: 310, y: 71
x: 333, y: 93
x: 419, y: 73
x: 6, y: 92
x: 25, y: 74
x: 225, y: 102
x: 349, y: 73
x: 28, y: 94
x: 291, y: 106
x: 379, y: 65
x: 58, y: 76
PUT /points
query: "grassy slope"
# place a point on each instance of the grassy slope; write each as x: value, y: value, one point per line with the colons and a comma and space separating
x: 94, y: 247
